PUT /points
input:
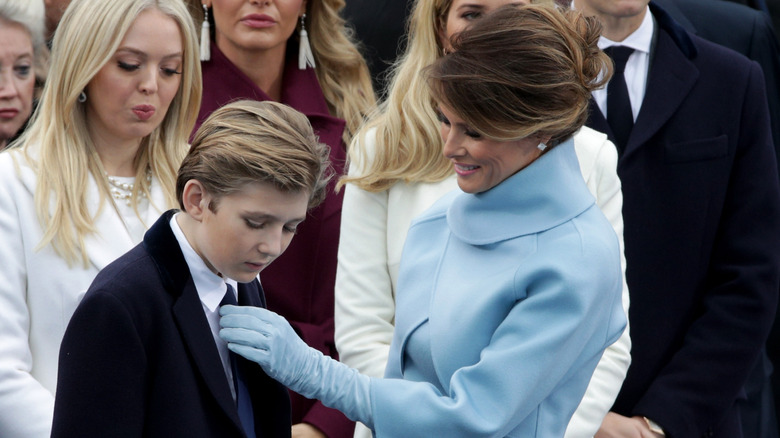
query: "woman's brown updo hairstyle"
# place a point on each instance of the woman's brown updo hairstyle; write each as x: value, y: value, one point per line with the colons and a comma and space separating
x: 523, y: 71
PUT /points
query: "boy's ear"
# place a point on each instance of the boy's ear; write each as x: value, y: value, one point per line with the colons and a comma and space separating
x: 195, y: 199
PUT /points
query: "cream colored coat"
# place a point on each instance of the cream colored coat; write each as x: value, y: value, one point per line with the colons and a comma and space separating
x: 39, y: 292
x: 373, y: 230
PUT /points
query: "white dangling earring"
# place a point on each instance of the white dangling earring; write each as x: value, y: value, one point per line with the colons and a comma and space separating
x: 205, y: 36
x: 541, y: 147
x: 305, y: 56
x: 82, y: 97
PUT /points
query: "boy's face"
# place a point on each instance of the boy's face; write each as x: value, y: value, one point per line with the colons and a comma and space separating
x: 249, y: 229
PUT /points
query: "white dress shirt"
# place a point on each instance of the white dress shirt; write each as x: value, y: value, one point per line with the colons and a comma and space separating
x: 637, y: 65
x: 211, y: 289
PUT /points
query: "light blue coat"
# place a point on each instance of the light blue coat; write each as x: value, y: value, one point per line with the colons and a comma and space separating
x: 517, y: 292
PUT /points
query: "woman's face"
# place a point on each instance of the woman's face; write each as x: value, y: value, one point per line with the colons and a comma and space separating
x: 482, y: 163
x: 255, y: 25
x: 129, y: 97
x: 463, y: 12
x: 17, y: 79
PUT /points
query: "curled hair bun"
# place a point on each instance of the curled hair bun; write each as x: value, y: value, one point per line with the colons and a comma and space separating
x: 596, y: 67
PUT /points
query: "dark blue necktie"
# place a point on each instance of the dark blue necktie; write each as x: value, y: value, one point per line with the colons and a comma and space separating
x: 243, y: 400
x: 619, y: 114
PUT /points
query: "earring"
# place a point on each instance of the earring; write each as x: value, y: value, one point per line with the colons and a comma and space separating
x: 205, y: 36
x: 82, y: 97
x: 305, y: 56
x: 541, y: 147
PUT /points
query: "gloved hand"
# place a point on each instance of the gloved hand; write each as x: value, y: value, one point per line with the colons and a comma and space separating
x: 264, y: 337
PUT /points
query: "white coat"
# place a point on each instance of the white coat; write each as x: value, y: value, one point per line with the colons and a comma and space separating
x: 39, y: 292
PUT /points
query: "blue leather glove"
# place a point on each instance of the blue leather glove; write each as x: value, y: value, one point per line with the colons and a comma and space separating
x: 264, y: 337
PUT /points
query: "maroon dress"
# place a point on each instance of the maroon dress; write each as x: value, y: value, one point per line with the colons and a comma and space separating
x: 300, y: 284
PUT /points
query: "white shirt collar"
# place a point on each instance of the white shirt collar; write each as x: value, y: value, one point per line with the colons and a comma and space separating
x: 637, y: 66
x: 210, y: 286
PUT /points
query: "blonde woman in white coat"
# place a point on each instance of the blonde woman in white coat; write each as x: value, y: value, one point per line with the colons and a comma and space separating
x: 96, y: 167
x: 397, y: 172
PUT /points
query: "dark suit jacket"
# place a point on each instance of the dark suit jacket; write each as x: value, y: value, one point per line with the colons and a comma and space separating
x: 701, y: 208
x: 741, y: 29
x: 138, y: 358
x: 299, y: 284
x: 749, y: 32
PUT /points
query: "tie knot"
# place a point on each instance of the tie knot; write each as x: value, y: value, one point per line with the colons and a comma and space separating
x: 230, y: 296
x: 619, y: 55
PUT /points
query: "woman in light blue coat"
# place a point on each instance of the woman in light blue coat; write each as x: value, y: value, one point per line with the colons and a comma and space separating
x: 509, y: 288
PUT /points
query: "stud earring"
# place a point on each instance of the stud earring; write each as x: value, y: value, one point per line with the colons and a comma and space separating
x: 541, y: 147
x: 305, y: 55
x: 205, y: 36
x: 82, y: 97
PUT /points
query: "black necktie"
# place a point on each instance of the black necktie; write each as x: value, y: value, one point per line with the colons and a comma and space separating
x: 243, y: 400
x: 619, y: 115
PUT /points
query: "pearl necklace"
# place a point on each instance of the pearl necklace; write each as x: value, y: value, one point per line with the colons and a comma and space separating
x: 124, y: 191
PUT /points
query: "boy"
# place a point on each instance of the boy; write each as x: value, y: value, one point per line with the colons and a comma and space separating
x: 141, y: 355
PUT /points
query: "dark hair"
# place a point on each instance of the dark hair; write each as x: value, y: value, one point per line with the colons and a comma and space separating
x: 523, y: 71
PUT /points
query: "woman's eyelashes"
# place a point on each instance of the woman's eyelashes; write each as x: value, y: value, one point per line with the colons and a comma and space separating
x: 471, y: 15
x: 442, y: 118
x: 22, y: 71
x: 126, y: 66
x: 170, y: 71
x: 472, y: 134
x: 466, y: 130
x: 130, y: 67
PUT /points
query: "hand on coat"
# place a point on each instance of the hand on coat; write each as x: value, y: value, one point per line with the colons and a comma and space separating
x: 618, y: 426
x: 264, y: 337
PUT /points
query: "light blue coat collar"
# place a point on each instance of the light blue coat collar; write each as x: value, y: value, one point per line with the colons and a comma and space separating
x: 545, y: 194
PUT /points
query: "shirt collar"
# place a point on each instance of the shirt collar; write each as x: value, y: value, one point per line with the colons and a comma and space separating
x: 210, y: 286
x: 640, y: 40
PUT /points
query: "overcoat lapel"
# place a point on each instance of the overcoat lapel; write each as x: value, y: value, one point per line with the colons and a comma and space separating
x: 671, y: 76
x: 188, y: 312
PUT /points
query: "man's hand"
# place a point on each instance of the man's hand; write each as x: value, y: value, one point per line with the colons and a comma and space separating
x: 306, y: 430
x: 618, y: 426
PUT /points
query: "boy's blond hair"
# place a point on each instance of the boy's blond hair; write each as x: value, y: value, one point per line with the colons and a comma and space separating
x: 248, y: 142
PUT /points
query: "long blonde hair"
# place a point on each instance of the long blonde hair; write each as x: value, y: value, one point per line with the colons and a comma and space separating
x: 341, y: 69
x: 58, y: 146
x: 408, y: 144
x: 407, y: 131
